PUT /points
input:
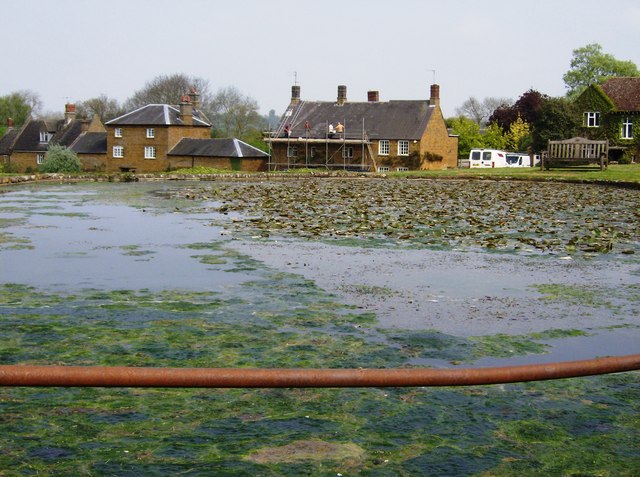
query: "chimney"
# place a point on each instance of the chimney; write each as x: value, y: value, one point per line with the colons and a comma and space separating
x: 342, y: 94
x: 434, y: 100
x: 194, y: 97
x: 373, y: 96
x: 69, y: 112
x: 295, y: 94
x: 84, y: 125
x: 186, y: 110
x: 9, y: 123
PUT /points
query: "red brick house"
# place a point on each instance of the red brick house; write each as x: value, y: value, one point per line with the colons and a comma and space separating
x: 372, y: 135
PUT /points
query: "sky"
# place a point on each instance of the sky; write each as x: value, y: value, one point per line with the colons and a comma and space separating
x: 73, y: 50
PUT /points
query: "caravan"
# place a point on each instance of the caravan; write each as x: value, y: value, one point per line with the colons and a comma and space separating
x: 517, y: 159
x: 487, y: 158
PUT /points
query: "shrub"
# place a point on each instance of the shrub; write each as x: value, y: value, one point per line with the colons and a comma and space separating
x: 60, y: 159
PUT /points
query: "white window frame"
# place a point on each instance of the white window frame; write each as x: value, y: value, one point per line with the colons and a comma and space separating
x: 149, y: 152
x: 313, y: 151
x: 402, y: 169
x: 383, y: 147
x: 151, y: 133
x: 403, y: 148
x: 292, y: 151
x: 347, y: 152
x: 627, y: 128
x: 40, y: 158
x: 118, y: 152
x: 592, y: 119
x: 45, y: 137
x: 117, y: 132
x: 383, y: 169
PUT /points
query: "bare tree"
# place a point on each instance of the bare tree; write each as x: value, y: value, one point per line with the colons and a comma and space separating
x: 234, y: 114
x: 104, y: 107
x: 167, y: 89
x: 480, y: 111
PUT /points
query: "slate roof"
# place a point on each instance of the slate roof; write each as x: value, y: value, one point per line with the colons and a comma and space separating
x: 29, y: 137
x: 382, y: 120
x: 90, y: 143
x: 157, y: 115
x: 6, y: 141
x: 68, y: 133
x: 624, y: 92
x: 230, y: 147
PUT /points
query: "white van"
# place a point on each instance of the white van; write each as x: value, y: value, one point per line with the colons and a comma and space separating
x: 487, y: 158
x: 516, y: 159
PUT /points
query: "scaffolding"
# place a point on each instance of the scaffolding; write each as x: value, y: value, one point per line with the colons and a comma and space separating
x: 336, y: 150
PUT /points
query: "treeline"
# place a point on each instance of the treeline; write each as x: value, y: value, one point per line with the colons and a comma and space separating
x: 231, y: 113
x: 534, y: 118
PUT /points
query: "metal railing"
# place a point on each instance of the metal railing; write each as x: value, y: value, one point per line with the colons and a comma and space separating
x: 100, y: 376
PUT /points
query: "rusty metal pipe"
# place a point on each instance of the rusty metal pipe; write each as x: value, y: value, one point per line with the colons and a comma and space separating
x: 100, y: 376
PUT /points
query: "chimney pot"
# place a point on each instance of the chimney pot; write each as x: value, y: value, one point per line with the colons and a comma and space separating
x: 373, y: 96
x: 342, y: 94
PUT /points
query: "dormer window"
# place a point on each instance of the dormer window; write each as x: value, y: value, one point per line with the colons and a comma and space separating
x: 45, y: 137
x: 151, y: 133
x: 592, y: 119
x: 117, y: 132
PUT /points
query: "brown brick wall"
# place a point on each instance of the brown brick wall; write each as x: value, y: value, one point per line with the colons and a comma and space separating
x: 436, y: 140
x: 23, y: 161
x: 134, y: 140
x: 244, y: 164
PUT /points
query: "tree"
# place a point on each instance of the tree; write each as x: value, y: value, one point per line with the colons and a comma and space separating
x: 480, y: 111
x: 168, y: 89
x: 518, y: 138
x: 18, y: 106
x: 526, y: 107
x: 60, y: 159
x: 590, y: 65
x: 234, y: 115
x: 104, y: 107
x: 493, y: 137
x: 558, y: 119
x: 468, y: 132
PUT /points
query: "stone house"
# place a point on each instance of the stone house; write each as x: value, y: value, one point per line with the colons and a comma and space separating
x: 611, y: 111
x: 23, y: 149
x: 139, y: 141
x: 368, y: 135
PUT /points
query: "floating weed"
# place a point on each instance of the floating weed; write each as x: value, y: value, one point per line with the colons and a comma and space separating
x: 135, y: 251
x: 575, y: 295
x: 210, y: 259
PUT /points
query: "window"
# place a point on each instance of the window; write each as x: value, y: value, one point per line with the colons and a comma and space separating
x: 117, y: 132
x: 383, y: 169
x: 292, y: 151
x: 627, y: 129
x: 118, y: 151
x: 403, y: 148
x: 149, y: 152
x: 40, y: 158
x: 347, y: 152
x: 592, y: 119
x: 314, y: 151
x: 383, y: 148
x: 45, y: 137
x: 151, y: 133
x: 402, y: 169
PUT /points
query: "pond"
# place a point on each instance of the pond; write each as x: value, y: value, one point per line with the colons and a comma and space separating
x: 318, y: 274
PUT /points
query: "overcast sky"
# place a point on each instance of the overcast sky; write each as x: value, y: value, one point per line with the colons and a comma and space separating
x: 72, y: 50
